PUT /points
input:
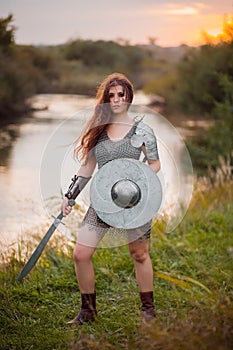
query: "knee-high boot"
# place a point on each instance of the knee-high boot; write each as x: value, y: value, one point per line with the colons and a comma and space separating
x: 148, y: 310
x: 88, y: 309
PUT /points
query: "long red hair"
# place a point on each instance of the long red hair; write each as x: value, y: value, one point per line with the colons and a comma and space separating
x: 102, y: 114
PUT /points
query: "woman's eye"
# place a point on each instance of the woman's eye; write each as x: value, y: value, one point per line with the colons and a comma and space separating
x: 120, y: 94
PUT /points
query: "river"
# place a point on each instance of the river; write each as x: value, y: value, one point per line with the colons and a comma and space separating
x: 36, y: 164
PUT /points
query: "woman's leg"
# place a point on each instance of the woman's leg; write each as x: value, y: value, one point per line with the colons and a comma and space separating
x: 88, y: 239
x: 83, y: 252
x: 84, y: 268
x: 139, y: 251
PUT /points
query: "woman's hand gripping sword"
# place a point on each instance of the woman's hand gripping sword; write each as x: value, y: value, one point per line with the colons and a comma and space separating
x: 76, y: 186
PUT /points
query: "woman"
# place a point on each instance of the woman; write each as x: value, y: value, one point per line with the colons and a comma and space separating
x: 107, y: 136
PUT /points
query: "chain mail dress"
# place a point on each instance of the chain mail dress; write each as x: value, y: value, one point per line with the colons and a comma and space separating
x: 130, y: 146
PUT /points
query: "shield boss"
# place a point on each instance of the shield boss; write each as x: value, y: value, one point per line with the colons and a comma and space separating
x: 126, y: 193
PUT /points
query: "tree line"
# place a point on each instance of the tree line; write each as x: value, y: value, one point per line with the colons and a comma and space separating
x: 205, y: 83
x: 74, y: 67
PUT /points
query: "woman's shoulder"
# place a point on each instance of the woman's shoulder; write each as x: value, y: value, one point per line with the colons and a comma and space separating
x: 142, y: 126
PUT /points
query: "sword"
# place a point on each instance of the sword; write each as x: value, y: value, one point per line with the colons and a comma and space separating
x: 39, y: 249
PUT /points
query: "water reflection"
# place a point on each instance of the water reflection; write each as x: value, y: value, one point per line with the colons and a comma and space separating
x: 22, y: 147
x: 8, y: 135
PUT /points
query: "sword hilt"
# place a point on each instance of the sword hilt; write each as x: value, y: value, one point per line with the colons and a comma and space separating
x: 71, y: 202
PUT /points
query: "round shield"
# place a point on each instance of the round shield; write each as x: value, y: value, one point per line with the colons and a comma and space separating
x: 126, y: 193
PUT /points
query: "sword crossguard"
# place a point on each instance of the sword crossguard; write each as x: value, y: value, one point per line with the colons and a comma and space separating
x: 57, y: 221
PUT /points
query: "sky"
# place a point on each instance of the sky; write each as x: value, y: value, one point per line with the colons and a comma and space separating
x: 171, y: 23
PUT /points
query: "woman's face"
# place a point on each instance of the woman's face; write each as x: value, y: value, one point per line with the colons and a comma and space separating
x: 117, y: 99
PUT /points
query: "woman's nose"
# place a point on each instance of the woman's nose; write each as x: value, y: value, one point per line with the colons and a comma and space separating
x: 116, y: 98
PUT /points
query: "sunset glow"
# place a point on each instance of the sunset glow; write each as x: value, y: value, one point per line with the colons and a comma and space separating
x: 219, y: 33
x: 215, y: 32
x: 171, y: 22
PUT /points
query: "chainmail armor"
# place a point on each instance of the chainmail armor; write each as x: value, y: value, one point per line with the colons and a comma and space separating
x: 107, y: 150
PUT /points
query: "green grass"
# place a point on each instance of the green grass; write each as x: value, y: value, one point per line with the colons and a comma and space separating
x: 192, y: 287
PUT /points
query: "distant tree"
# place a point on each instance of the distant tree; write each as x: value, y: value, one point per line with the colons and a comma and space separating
x: 123, y: 41
x: 152, y: 40
x: 107, y: 56
x: 24, y: 71
x: 204, y: 88
x: 216, y: 143
x: 199, y: 86
x: 7, y: 32
x: 225, y: 37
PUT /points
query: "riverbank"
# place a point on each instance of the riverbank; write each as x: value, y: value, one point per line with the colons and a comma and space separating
x: 62, y: 106
x: 192, y: 286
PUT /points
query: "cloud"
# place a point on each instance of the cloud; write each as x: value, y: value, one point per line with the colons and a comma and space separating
x: 183, y: 11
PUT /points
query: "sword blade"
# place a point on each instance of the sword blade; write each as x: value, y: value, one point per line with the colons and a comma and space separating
x: 39, y: 249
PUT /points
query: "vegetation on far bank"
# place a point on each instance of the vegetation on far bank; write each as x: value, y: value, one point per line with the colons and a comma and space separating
x: 192, y: 287
x: 75, y: 67
x: 190, y: 79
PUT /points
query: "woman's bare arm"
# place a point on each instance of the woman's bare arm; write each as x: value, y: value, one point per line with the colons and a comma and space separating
x: 154, y: 164
x: 86, y: 170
